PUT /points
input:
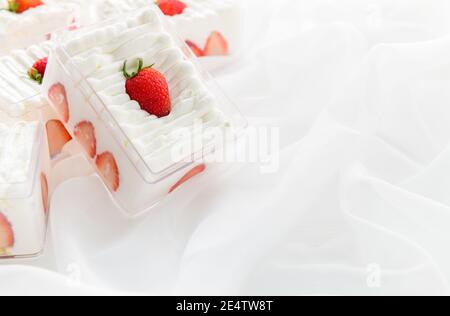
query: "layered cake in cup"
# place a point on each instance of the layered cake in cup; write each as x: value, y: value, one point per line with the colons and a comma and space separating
x: 24, y: 194
x: 128, y: 92
x: 209, y: 27
x: 27, y: 22
x: 21, y: 75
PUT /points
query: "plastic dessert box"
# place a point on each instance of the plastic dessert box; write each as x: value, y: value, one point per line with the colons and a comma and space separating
x: 20, y: 30
x: 20, y: 96
x: 140, y: 157
x: 211, y: 27
x: 24, y: 193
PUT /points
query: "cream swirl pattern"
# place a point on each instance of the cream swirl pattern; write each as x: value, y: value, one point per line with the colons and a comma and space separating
x: 99, y: 55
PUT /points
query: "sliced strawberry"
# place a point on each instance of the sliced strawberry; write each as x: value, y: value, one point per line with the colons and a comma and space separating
x: 108, y: 169
x: 195, y: 49
x: 57, y: 137
x: 85, y: 134
x: 192, y: 173
x: 6, y: 234
x: 58, y: 97
x: 216, y: 45
x: 44, y: 190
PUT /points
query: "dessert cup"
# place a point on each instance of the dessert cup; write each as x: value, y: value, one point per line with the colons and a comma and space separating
x: 20, y: 96
x: 24, y: 191
x: 20, y: 30
x: 140, y: 157
x: 212, y: 28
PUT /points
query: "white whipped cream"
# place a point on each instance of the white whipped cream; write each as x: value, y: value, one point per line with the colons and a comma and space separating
x: 196, y: 23
x: 99, y: 55
x: 33, y: 25
x: 17, y: 91
x: 17, y: 144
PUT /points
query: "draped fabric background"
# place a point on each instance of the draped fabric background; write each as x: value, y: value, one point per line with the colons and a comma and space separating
x: 359, y: 91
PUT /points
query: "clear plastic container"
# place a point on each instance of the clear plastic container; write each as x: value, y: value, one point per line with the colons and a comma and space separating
x: 24, y: 192
x: 219, y: 22
x: 18, y: 31
x: 136, y: 181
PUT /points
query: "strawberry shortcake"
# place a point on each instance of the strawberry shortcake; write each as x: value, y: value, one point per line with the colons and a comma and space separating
x: 27, y: 22
x: 209, y: 27
x: 141, y: 110
x: 24, y: 189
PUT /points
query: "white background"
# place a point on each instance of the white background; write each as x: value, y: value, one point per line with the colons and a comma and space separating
x: 360, y: 204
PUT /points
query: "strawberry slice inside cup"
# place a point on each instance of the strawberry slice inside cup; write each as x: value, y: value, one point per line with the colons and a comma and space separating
x: 58, y: 97
x: 6, y: 235
x: 57, y: 136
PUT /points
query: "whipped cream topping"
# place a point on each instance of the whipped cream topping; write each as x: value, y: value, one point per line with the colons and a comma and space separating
x: 99, y: 55
x: 199, y: 19
x: 200, y: 8
x: 16, y: 150
x: 31, y: 26
x: 16, y: 88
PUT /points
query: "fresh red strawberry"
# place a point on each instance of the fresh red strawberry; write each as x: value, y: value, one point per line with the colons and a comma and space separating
x: 37, y: 71
x: 6, y: 234
x: 216, y: 45
x: 171, y: 7
x: 195, y: 49
x: 58, y: 137
x: 85, y: 134
x: 149, y: 88
x: 107, y: 166
x: 19, y: 6
x: 58, y: 97
x: 44, y: 190
x: 192, y: 173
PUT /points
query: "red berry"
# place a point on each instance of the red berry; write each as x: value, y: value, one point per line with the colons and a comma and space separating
x: 216, y: 45
x: 85, y: 134
x: 19, y: 6
x: 57, y: 136
x: 149, y: 88
x: 37, y: 71
x: 6, y: 234
x: 171, y: 7
x: 195, y: 49
x: 108, y: 169
x: 58, y: 98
